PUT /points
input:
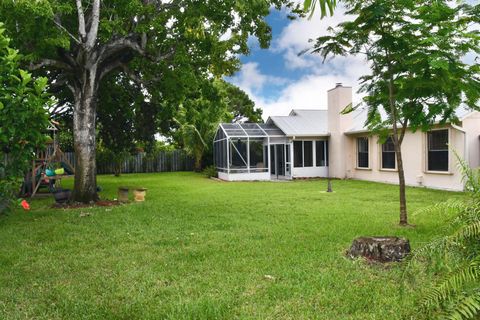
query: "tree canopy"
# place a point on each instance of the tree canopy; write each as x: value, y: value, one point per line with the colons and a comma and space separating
x: 197, y: 118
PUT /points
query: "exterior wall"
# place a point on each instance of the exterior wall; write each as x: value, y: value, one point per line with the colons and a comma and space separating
x: 338, y: 99
x: 414, y: 152
x: 471, y: 125
x: 252, y: 176
x: 308, y: 172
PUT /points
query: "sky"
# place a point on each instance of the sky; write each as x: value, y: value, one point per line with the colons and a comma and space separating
x: 277, y: 79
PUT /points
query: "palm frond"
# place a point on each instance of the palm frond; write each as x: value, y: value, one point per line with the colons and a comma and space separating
x: 467, y: 232
x: 466, y: 308
x: 453, y: 284
x: 451, y: 205
x: 458, y: 294
x: 470, y: 177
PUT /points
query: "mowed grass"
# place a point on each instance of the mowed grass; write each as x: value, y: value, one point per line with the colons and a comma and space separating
x: 202, y: 249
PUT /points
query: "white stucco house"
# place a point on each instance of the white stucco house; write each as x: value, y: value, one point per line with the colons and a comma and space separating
x: 322, y: 143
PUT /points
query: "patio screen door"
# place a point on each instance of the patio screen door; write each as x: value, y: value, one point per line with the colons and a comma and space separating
x: 280, y: 164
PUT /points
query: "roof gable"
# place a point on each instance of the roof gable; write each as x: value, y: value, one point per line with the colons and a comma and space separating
x: 302, y: 122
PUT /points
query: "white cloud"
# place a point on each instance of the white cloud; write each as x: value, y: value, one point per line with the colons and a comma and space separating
x: 252, y: 81
x: 310, y: 90
x: 297, y: 36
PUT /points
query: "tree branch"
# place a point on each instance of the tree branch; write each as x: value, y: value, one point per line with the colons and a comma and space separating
x: 92, y: 33
x: 49, y: 63
x: 117, y: 45
x: 57, y: 22
x: 81, y: 20
x: 403, y: 131
x: 110, y: 67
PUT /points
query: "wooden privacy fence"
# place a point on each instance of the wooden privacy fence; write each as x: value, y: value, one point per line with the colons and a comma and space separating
x: 163, y: 161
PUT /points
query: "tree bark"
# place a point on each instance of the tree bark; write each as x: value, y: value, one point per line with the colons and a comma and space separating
x: 402, y: 187
x: 381, y: 249
x: 198, y: 161
x: 397, y: 141
x: 84, y: 135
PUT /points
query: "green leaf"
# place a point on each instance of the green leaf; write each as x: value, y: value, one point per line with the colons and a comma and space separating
x: 26, y: 76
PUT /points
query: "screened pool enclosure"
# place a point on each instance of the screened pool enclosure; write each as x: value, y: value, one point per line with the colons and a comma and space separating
x: 242, y: 151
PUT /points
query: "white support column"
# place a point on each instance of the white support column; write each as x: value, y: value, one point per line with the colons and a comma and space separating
x: 248, y: 154
x: 269, y: 155
x: 228, y: 156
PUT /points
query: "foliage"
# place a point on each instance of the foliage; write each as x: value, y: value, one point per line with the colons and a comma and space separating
x: 210, y: 172
x: 415, y: 51
x: 198, y: 118
x: 116, y: 114
x: 326, y: 6
x: 65, y: 138
x: 23, y: 119
x: 213, y: 102
x: 206, y: 247
x: 240, y: 107
x: 457, y: 256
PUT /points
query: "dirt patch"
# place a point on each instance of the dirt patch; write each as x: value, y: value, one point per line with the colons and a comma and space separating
x: 77, y: 205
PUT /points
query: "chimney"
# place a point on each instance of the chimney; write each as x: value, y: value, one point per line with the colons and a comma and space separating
x: 338, y: 99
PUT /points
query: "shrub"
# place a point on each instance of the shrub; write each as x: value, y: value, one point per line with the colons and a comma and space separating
x: 23, y: 118
x: 456, y: 257
x: 210, y: 172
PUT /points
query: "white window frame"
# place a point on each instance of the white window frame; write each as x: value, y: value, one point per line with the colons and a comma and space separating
x: 325, y: 141
x: 381, y: 159
x: 448, y: 150
x: 369, y: 167
x: 313, y: 153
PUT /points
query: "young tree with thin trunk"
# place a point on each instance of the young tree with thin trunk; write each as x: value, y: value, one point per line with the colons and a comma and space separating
x: 415, y: 50
x: 76, y: 43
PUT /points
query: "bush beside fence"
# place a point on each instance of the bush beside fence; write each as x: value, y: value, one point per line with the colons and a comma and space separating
x: 163, y: 161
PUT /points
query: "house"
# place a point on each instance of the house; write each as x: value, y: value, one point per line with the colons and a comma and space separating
x: 326, y: 143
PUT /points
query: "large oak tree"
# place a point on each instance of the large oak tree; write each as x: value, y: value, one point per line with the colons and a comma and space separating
x: 76, y: 43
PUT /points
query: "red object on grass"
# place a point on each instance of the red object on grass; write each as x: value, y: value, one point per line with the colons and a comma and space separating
x: 25, y: 205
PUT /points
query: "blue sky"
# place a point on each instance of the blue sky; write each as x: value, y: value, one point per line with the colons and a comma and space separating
x: 278, y: 80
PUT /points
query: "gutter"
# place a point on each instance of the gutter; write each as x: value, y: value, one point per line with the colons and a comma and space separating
x: 369, y: 131
x: 308, y: 135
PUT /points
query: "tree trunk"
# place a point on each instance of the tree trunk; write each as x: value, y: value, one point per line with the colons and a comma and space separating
x: 198, y: 162
x: 381, y: 249
x: 84, y: 118
x: 398, y: 148
x: 401, y: 183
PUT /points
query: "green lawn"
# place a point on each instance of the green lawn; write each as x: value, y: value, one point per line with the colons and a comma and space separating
x: 202, y: 249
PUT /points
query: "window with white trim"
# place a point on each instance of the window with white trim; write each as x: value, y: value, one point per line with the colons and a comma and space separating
x: 321, y: 152
x: 303, y: 154
x: 362, y: 152
x: 308, y: 153
x: 437, y: 150
x: 388, y: 154
x: 298, y: 154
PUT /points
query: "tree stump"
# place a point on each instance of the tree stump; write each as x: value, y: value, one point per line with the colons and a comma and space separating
x: 381, y: 249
